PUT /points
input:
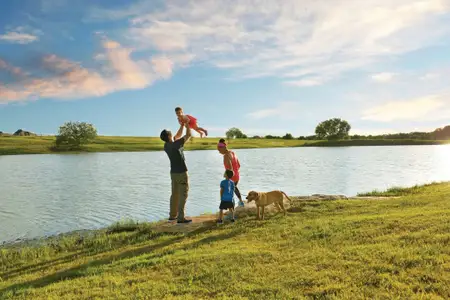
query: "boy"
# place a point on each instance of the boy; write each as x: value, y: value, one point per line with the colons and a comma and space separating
x: 226, y: 196
x: 192, y: 121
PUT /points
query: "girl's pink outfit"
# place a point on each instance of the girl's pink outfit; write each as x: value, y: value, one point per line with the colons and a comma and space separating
x: 192, y: 121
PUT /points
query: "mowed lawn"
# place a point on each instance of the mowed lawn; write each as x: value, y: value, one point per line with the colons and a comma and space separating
x: 347, y: 249
x: 37, y: 145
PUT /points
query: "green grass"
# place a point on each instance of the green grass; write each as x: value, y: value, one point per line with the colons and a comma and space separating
x: 41, y: 145
x: 385, y: 142
x: 346, y: 249
x: 401, y: 191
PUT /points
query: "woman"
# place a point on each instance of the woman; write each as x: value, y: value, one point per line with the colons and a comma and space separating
x: 231, y: 162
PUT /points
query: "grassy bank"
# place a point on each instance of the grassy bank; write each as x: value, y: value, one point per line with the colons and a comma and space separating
x: 386, y: 142
x: 42, y: 145
x: 346, y: 249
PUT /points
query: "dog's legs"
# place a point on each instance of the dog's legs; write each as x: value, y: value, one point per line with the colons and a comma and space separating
x: 277, y: 206
x: 262, y: 213
x: 257, y: 212
x: 281, y: 204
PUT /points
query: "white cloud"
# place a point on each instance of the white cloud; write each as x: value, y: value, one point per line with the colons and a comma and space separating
x: 20, y: 35
x: 383, y: 77
x: 285, y: 110
x: 305, y: 82
x: 429, y: 108
x: 285, y: 38
x: 430, y: 76
x: 70, y: 80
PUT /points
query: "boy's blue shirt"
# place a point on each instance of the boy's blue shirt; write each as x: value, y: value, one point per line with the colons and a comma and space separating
x: 228, y: 190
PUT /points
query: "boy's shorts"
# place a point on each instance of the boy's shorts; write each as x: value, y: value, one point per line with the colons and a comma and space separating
x: 226, y: 204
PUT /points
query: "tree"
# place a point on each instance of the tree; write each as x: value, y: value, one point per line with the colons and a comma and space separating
x: 442, y: 133
x: 74, y: 134
x: 333, y: 129
x: 235, y: 133
x: 288, y: 136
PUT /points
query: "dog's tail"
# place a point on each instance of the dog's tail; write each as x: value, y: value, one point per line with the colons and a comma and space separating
x: 290, y: 200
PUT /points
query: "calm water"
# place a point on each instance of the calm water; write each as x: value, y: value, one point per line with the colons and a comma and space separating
x: 49, y: 194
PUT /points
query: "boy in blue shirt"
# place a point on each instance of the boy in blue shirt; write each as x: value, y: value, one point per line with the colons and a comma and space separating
x: 226, y: 196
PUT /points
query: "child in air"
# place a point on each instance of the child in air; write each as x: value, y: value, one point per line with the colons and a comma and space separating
x: 226, y: 196
x: 192, y: 121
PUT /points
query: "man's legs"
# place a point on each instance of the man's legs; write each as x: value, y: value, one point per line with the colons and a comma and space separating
x: 182, y: 181
x: 174, y: 198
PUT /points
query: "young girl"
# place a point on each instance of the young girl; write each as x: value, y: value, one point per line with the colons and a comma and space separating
x: 182, y: 119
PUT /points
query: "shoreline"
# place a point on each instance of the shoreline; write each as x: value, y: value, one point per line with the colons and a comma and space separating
x: 161, y: 223
x: 108, y: 144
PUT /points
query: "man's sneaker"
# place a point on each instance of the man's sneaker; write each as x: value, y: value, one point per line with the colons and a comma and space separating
x: 172, y: 219
x: 185, y: 221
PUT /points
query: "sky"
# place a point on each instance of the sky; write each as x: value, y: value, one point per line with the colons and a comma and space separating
x: 264, y: 66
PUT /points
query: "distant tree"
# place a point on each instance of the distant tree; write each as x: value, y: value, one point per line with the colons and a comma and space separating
x: 235, y: 133
x: 301, y: 138
x: 333, y: 129
x: 288, y: 136
x: 442, y: 133
x: 72, y: 135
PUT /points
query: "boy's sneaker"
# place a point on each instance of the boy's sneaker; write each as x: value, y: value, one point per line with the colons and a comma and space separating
x: 233, y: 220
x: 219, y: 222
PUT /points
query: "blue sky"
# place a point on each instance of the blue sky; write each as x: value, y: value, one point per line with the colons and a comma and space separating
x: 265, y: 66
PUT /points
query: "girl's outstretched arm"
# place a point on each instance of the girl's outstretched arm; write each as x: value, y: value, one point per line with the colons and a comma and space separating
x: 179, y: 133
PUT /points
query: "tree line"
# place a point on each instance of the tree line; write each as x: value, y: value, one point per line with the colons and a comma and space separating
x: 338, y: 129
x: 72, y: 135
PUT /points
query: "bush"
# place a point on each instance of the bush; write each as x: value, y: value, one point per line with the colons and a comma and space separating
x: 333, y: 129
x: 72, y: 135
x: 288, y: 136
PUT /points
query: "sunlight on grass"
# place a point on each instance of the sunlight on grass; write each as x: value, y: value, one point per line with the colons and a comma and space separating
x: 345, y: 249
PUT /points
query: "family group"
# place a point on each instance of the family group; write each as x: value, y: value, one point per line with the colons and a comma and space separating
x: 174, y: 147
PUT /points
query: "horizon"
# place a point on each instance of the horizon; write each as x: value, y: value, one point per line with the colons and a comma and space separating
x: 266, y: 67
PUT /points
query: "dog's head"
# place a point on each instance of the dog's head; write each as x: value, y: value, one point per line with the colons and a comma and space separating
x: 252, y: 196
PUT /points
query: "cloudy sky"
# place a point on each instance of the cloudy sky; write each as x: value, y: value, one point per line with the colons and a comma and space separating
x: 265, y: 66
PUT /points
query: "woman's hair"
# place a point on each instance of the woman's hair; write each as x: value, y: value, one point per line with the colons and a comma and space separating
x: 222, y: 144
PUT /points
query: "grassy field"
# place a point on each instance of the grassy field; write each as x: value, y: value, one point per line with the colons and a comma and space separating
x: 386, y: 142
x: 29, y: 145
x: 346, y: 249
x: 41, y: 145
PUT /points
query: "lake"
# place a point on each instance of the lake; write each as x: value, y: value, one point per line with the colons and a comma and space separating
x: 49, y: 194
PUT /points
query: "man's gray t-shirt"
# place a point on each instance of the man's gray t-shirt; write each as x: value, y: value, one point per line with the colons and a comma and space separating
x: 175, y: 152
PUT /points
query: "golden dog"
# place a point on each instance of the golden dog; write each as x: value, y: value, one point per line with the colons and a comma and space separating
x: 262, y: 199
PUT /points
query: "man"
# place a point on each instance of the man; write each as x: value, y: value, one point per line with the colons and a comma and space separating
x: 174, y: 147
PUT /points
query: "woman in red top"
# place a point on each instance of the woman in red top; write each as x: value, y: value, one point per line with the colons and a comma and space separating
x: 231, y: 162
